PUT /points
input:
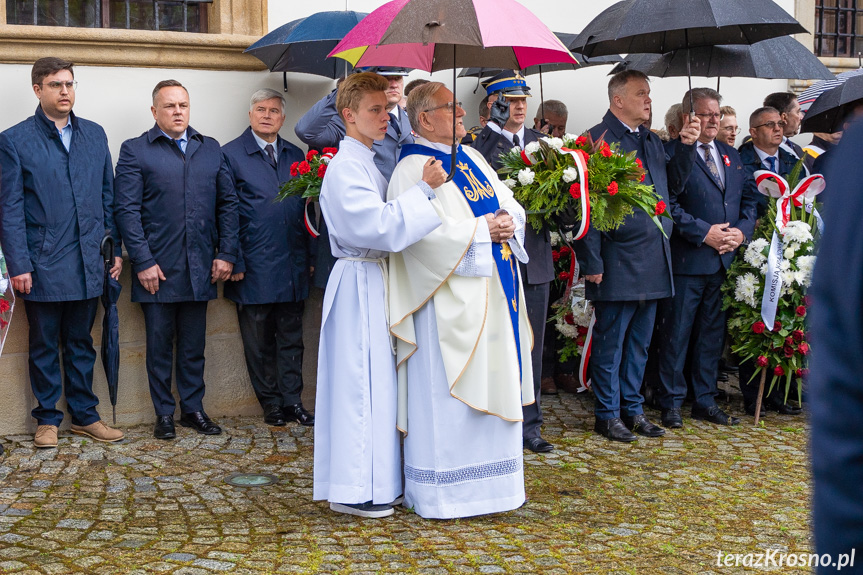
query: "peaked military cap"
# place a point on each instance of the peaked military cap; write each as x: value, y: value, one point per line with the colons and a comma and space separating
x: 509, y: 83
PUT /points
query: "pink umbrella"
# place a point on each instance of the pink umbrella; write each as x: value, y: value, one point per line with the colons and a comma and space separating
x: 436, y: 35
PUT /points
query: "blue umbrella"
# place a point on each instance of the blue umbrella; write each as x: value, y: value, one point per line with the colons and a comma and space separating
x: 110, y: 324
x: 303, y: 45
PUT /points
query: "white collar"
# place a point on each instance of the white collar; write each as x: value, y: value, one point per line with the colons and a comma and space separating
x: 262, y: 143
x: 507, y: 134
x: 762, y: 155
x: 434, y: 145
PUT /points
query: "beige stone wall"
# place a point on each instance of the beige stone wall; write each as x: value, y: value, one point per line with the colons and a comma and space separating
x: 229, y: 391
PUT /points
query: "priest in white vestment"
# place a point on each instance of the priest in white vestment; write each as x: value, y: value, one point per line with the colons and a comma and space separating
x: 357, y: 456
x: 463, y: 335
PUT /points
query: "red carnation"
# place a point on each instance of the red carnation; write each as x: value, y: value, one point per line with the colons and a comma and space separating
x: 575, y: 190
x: 777, y: 325
x: 580, y: 141
x: 801, y: 311
x: 563, y: 276
x: 564, y: 250
x: 803, y: 348
x: 304, y: 168
x: 638, y: 163
x: 797, y: 335
x: 581, y: 330
x: 807, y: 300
x: 579, y: 341
x: 295, y: 169
x: 761, y: 361
x: 660, y: 208
x: 612, y: 188
x: 322, y: 169
x: 802, y: 372
x: 778, y: 371
x: 331, y: 151
x: 311, y: 154
x: 569, y: 318
x: 788, y: 350
x: 605, y: 150
x: 758, y: 327
x: 555, y: 255
x: 4, y: 305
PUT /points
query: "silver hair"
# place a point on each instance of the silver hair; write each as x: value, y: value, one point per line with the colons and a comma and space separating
x: 674, y: 117
x: 266, y: 94
x: 421, y: 98
x: 617, y: 83
x: 555, y: 107
x: 697, y: 95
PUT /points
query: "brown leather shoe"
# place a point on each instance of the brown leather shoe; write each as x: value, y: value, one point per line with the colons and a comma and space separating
x: 547, y: 387
x: 46, y: 436
x: 98, y: 431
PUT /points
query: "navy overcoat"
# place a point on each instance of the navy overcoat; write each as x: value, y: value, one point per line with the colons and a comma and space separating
x: 55, y: 207
x: 274, y: 243
x: 178, y: 211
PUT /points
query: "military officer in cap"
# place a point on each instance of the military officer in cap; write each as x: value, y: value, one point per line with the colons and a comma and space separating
x: 505, y: 129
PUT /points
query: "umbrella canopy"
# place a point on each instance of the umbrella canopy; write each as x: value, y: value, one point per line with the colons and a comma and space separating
x: 660, y: 26
x: 808, y: 96
x: 443, y: 34
x: 302, y: 45
x: 110, y: 351
x: 827, y: 113
x: 782, y: 57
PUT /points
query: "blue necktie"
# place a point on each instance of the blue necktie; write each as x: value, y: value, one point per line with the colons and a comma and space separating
x: 180, y: 146
x: 772, y: 160
x: 394, y: 122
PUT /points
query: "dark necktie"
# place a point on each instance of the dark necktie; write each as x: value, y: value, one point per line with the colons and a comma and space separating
x: 772, y: 161
x: 180, y: 146
x: 271, y: 155
x: 515, y: 140
x: 711, y: 165
x: 394, y: 122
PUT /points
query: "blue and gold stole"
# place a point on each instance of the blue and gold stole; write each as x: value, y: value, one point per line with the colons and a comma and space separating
x: 480, y: 196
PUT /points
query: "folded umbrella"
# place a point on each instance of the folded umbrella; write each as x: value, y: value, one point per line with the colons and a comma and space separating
x: 110, y: 351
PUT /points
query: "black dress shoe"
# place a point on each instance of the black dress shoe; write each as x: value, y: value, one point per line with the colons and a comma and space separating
x: 782, y: 408
x: 750, y: 410
x: 722, y: 377
x: 199, y: 421
x: 614, y: 429
x: 299, y: 414
x: 274, y: 416
x: 641, y: 425
x: 672, y: 418
x: 164, y: 427
x: 538, y: 445
x: 714, y: 415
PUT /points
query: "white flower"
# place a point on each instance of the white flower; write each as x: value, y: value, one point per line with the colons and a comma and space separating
x: 4, y: 284
x: 784, y: 265
x: 745, y: 289
x: 566, y: 329
x: 570, y: 175
x: 526, y: 176
x: 531, y: 148
x: 790, y: 251
x: 570, y: 138
x: 555, y: 143
x: 555, y: 237
x: 805, y: 263
x: 797, y: 232
x: 753, y: 255
x: 510, y: 183
x: 787, y: 277
x: 763, y: 269
x: 801, y: 278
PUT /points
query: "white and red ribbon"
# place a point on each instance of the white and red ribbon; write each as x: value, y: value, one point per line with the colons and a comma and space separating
x: 585, y: 192
x: 583, y: 378
x: 309, y: 220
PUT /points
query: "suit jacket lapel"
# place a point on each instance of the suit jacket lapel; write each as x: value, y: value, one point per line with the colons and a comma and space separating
x: 703, y: 165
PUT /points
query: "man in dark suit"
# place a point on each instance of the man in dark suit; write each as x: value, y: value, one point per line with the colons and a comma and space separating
x: 504, y: 130
x: 764, y: 151
x: 271, y: 277
x: 56, y: 205
x: 789, y: 109
x: 713, y: 215
x: 835, y: 393
x: 628, y: 270
x: 177, y: 210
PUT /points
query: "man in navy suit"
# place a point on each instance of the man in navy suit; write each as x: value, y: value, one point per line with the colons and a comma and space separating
x: 764, y: 151
x: 713, y: 215
x: 271, y: 277
x: 177, y: 211
x: 628, y: 270
x: 835, y: 392
x: 504, y: 130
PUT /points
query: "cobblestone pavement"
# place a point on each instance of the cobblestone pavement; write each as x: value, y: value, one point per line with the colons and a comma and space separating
x: 666, y: 505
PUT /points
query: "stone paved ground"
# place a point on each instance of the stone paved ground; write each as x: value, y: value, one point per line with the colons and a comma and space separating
x: 662, y: 506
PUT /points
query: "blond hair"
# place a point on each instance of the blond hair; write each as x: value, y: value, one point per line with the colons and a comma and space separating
x: 352, y: 90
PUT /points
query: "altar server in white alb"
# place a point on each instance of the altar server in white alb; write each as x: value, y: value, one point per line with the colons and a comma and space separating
x: 464, y: 338
x: 357, y: 459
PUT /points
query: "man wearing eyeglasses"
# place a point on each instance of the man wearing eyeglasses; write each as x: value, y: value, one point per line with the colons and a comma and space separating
x: 789, y: 109
x: 728, y: 128
x: 764, y: 151
x: 713, y: 215
x: 56, y: 202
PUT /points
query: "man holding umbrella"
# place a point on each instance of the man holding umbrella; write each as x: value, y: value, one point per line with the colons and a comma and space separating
x: 56, y: 201
x: 504, y: 130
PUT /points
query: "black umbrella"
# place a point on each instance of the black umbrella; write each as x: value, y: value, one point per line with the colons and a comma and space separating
x: 302, y: 45
x: 782, y: 57
x: 828, y: 112
x: 110, y: 324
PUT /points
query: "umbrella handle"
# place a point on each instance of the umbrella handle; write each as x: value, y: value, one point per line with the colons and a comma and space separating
x: 107, y: 248
x: 454, y: 150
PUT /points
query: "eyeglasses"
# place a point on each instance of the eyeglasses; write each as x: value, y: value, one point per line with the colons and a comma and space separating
x: 57, y: 86
x: 731, y: 130
x: 448, y: 107
x: 772, y: 125
x: 713, y: 116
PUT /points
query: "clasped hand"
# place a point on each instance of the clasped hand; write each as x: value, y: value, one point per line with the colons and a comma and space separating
x: 723, y: 238
x: 501, y: 228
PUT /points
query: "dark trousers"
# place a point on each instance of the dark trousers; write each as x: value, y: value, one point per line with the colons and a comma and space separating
x: 621, y: 337
x: 67, y: 324
x: 696, y: 311
x: 536, y: 298
x: 187, y: 321
x: 273, y: 343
